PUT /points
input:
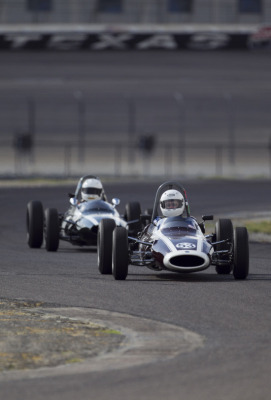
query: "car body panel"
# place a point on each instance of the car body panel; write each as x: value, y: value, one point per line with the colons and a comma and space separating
x: 80, y: 223
x: 178, y: 244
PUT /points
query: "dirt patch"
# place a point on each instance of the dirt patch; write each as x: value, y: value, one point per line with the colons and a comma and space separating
x: 31, y: 338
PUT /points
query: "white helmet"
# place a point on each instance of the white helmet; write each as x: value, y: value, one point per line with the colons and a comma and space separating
x: 91, y: 189
x: 172, y: 203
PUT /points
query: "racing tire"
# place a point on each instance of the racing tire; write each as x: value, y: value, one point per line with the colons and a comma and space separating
x: 133, y: 212
x: 241, y: 253
x: 147, y: 212
x: 104, y: 245
x: 34, y: 224
x: 224, y: 230
x: 51, y: 229
x: 120, y: 255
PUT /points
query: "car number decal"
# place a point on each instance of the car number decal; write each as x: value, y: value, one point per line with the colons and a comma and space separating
x: 185, y: 245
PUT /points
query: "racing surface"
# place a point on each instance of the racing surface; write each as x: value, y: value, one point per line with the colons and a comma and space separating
x: 232, y: 317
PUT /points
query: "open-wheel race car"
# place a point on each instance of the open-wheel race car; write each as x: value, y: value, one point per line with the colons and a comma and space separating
x: 79, y: 224
x: 173, y: 240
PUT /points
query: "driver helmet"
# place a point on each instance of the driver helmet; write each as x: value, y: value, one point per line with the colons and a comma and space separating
x: 91, y: 189
x: 172, y: 203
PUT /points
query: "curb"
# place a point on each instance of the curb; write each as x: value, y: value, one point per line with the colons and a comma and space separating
x: 144, y: 341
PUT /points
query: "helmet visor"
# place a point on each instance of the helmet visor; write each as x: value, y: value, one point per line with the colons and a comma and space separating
x: 172, y: 204
x: 91, y: 190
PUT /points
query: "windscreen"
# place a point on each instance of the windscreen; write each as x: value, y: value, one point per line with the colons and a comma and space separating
x: 95, y: 206
x: 175, y: 226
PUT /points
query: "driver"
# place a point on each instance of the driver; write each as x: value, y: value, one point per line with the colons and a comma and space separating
x: 92, y: 189
x: 172, y: 203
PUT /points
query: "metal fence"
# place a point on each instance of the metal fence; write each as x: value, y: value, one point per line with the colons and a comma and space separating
x: 66, y: 116
x: 67, y: 134
x: 134, y: 11
x: 120, y: 159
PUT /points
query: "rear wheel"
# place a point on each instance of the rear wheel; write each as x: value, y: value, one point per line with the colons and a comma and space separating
x: 120, y: 256
x: 224, y: 230
x: 133, y: 212
x: 51, y: 229
x: 146, y: 217
x: 34, y: 224
x: 104, y: 249
x: 241, y: 253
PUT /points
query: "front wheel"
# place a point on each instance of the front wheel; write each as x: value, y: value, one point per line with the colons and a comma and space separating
x: 34, y: 224
x: 104, y: 242
x: 223, y: 231
x: 120, y: 255
x: 51, y: 229
x: 241, y: 253
x: 132, y: 213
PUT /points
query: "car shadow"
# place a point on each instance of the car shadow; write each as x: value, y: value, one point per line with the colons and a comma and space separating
x: 78, y: 250
x: 179, y: 277
x: 195, y: 277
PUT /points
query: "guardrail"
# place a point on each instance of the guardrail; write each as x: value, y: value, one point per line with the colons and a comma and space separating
x: 118, y: 159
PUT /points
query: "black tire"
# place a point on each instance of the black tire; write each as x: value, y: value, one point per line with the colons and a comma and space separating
x: 34, y: 224
x: 149, y: 211
x: 120, y: 256
x: 51, y: 229
x: 224, y: 230
x: 133, y: 212
x: 104, y: 245
x: 241, y: 253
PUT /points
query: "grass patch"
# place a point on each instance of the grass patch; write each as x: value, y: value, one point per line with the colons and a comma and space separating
x: 253, y: 226
x: 259, y: 226
x: 74, y: 360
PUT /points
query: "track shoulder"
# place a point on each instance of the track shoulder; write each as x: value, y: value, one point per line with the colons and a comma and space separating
x: 143, y: 341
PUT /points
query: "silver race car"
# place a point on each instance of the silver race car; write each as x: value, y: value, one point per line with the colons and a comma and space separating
x: 79, y: 224
x: 171, y: 239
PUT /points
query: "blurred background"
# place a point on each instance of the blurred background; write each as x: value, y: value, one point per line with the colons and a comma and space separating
x: 135, y: 88
x: 135, y: 11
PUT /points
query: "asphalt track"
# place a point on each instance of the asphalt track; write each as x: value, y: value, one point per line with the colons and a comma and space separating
x: 232, y: 317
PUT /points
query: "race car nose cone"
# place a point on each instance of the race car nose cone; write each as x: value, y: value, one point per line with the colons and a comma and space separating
x: 186, y: 261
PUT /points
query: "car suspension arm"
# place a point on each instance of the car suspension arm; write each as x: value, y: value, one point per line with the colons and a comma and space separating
x: 140, y: 241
